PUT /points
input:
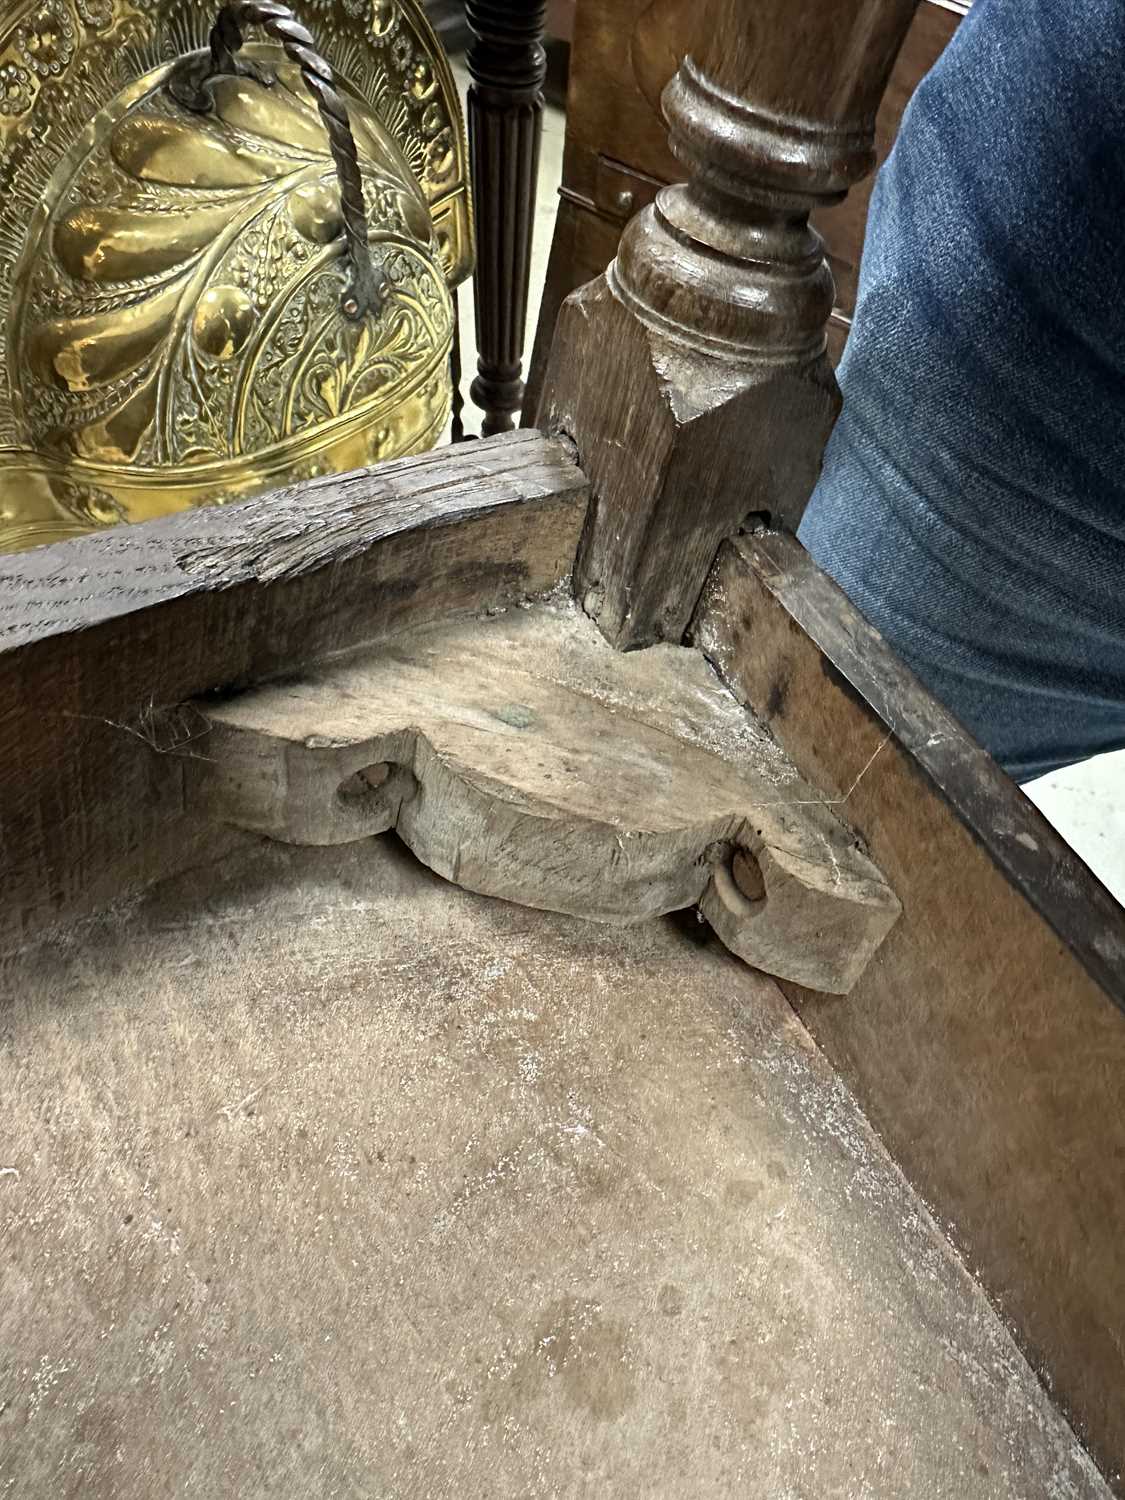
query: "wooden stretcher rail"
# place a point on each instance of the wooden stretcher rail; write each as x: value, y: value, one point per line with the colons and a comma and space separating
x: 103, y: 639
x: 1006, y: 825
x: 985, y: 1040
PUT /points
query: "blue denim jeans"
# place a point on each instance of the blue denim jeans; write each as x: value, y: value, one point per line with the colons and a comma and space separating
x: 972, y: 502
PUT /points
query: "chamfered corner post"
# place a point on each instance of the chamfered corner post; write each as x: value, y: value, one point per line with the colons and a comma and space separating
x: 693, y: 375
x: 507, y: 68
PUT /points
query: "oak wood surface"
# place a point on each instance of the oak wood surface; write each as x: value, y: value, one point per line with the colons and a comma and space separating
x: 986, y: 1039
x: 582, y: 245
x: 520, y: 756
x: 323, y: 1177
x: 103, y: 639
x: 560, y: 19
x: 623, y: 55
x: 843, y: 225
x: 693, y: 376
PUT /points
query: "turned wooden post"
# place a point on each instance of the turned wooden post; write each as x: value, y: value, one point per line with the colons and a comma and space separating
x: 693, y: 375
x: 507, y: 65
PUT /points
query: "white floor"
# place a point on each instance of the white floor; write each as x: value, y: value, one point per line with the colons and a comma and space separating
x: 1085, y: 803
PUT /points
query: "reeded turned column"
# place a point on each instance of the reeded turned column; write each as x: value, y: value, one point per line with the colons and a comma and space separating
x: 507, y: 66
x: 693, y: 375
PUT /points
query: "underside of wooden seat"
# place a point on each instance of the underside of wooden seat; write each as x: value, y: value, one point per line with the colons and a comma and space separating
x: 321, y: 1176
x: 322, y: 1173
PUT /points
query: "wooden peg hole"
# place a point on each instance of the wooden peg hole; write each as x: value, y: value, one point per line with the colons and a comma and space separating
x: 747, y: 875
x: 360, y: 784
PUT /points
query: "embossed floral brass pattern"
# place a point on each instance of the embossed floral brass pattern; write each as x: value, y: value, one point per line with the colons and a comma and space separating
x: 170, y: 284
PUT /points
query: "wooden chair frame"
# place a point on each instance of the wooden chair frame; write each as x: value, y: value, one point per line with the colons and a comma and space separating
x: 986, y: 1039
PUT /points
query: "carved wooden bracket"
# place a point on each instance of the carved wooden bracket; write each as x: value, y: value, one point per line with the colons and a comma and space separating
x: 521, y: 757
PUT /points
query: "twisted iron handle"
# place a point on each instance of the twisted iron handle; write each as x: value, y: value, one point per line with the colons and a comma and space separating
x: 188, y: 86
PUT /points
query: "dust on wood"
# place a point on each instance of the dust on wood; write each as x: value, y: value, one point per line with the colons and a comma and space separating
x: 337, y: 1179
x: 522, y: 757
x: 97, y: 634
x: 986, y: 1040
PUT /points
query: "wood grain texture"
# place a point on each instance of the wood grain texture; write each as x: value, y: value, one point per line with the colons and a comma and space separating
x: 582, y: 245
x: 986, y: 1039
x: 622, y: 56
x: 844, y: 225
x: 666, y: 434
x: 614, y: 124
x: 507, y: 66
x: 522, y: 757
x: 694, y: 378
x: 102, y: 639
x: 586, y: 234
x: 327, y: 1178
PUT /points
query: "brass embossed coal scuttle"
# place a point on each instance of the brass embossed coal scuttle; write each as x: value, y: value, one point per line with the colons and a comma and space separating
x: 222, y: 266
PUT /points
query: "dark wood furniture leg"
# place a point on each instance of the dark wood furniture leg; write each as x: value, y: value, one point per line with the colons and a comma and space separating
x: 617, y: 158
x: 694, y: 376
x: 507, y: 65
